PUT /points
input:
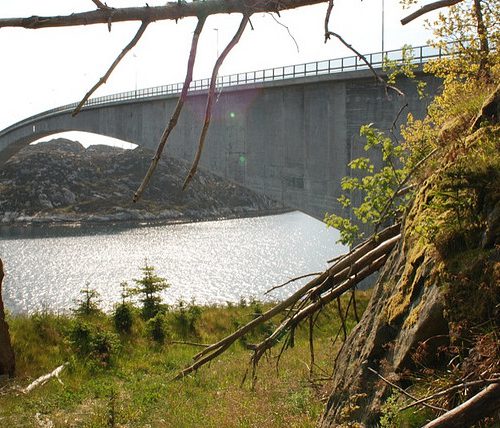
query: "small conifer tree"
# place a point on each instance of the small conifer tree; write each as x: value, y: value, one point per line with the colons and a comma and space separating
x: 148, y: 288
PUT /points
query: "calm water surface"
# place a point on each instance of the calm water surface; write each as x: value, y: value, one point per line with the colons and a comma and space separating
x: 210, y: 262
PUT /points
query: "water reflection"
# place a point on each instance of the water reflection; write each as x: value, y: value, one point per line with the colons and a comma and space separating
x: 211, y: 262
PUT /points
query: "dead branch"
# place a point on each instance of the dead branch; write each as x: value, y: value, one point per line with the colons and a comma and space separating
x: 291, y: 323
x: 100, y: 5
x: 180, y: 342
x: 468, y: 413
x: 303, y: 303
x: 297, y: 278
x: 388, y: 382
x: 45, y: 378
x: 428, y: 8
x: 178, y: 108
x: 363, y: 58
x: 104, y: 78
x: 451, y: 389
x: 210, y: 98
x: 287, y: 29
x: 341, y: 264
x: 171, y: 11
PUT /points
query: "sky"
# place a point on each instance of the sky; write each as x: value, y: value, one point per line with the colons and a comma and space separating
x: 45, y: 68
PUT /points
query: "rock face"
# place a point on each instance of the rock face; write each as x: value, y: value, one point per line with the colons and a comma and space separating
x: 437, y: 292
x: 62, y: 181
x: 7, y: 360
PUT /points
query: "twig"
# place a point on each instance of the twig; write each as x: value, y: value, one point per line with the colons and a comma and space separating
x: 288, y: 30
x: 104, y: 78
x: 440, y: 409
x: 468, y: 413
x: 341, y: 316
x: 327, y: 19
x: 178, y: 108
x: 43, y: 379
x: 451, y: 389
x: 100, y: 5
x: 180, y: 342
x: 428, y: 8
x: 292, y: 280
x: 363, y: 58
x: 210, y: 98
x: 311, y: 344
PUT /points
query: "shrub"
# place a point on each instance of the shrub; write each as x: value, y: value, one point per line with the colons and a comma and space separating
x: 185, y: 318
x: 89, y: 342
x: 123, y: 317
x: 156, y: 328
x: 89, y: 303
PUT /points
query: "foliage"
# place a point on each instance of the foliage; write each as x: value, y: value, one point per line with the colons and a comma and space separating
x: 156, y: 328
x: 92, y: 343
x: 393, y: 417
x: 469, y: 74
x: 123, y: 317
x: 89, y: 303
x: 378, y: 187
x: 149, y: 287
x: 185, y: 318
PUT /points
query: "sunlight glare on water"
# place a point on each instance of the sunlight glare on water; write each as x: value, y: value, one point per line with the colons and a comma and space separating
x: 210, y: 262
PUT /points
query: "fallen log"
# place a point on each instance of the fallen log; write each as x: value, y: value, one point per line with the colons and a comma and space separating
x: 44, y: 379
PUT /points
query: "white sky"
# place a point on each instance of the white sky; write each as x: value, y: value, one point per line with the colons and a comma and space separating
x: 45, y: 68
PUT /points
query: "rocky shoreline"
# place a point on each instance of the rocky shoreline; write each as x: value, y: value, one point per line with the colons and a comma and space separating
x: 60, y: 182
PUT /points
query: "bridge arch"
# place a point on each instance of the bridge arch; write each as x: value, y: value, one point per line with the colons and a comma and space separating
x: 289, y: 139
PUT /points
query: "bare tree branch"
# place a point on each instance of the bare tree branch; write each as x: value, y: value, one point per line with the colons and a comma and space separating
x: 388, y: 382
x: 363, y: 58
x: 100, y: 5
x: 171, y: 11
x: 210, y: 98
x: 104, y: 78
x: 428, y: 8
x: 468, y: 413
x: 292, y: 280
x: 178, y: 108
x: 287, y: 29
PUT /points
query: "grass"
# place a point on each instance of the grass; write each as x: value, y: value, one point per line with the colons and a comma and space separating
x: 134, y: 389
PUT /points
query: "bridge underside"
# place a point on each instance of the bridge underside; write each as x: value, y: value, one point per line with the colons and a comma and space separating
x: 289, y: 140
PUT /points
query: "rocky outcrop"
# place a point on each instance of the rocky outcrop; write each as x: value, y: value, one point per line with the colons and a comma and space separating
x: 7, y: 360
x: 61, y: 181
x: 437, y: 287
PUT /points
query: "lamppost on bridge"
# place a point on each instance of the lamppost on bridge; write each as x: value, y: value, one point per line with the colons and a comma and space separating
x: 383, y: 24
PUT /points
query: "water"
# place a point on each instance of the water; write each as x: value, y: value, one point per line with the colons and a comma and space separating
x: 210, y: 262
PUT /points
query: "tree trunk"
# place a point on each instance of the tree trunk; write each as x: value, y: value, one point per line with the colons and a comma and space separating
x: 7, y: 359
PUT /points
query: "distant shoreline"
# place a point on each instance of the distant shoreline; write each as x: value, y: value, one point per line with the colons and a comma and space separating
x: 49, y: 222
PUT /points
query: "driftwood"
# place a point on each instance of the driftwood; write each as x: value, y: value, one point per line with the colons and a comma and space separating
x: 468, y: 413
x: 44, y: 379
x: 342, y: 276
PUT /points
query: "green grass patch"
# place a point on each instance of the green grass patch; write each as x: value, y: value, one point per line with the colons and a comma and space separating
x: 127, y: 382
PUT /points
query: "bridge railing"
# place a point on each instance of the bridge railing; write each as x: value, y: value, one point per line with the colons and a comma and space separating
x: 415, y: 55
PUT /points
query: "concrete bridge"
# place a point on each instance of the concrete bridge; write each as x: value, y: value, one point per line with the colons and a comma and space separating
x: 287, y: 132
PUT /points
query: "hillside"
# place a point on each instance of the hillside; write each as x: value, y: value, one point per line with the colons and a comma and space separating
x: 61, y: 181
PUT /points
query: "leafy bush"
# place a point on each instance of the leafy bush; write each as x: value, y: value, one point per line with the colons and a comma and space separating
x: 156, y: 328
x: 123, y: 317
x: 90, y: 342
x: 184, y: 319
